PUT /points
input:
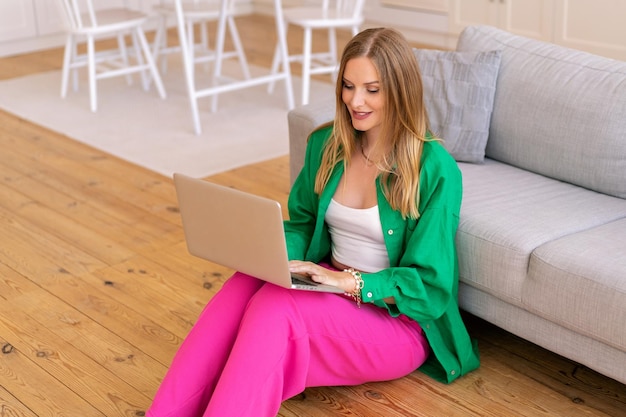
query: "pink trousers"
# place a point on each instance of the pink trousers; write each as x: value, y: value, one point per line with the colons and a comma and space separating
x: 257, y: 344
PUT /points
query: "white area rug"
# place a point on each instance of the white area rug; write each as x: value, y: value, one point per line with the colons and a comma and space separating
x: 249, y: 126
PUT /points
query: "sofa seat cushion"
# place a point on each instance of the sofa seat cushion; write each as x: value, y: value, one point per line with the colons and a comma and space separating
x: 507, y: 213
x: 579, y: 282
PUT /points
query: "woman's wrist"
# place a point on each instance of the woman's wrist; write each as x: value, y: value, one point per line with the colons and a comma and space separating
x: 350, y: 283
x: 358, y: 285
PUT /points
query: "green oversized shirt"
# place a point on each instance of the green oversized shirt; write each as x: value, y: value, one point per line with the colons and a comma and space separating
x: 423, y: 272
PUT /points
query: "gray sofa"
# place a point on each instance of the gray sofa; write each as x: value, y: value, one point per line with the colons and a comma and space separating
x: 542, y: 237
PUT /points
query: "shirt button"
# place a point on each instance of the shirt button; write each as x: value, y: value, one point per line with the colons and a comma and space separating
x: 390, y: 232
x: 369, y: 295
x: 453, y: 372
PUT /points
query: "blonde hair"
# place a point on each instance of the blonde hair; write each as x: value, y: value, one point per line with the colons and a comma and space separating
x: 404, y: 126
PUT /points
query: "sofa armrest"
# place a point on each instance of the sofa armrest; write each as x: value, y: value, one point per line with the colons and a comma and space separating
x: 302, y: 121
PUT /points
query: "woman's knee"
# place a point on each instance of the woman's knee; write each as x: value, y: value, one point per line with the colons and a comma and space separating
x: 274, y: 308
x: 271, y: 300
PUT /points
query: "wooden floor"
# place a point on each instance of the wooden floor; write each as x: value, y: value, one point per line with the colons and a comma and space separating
x: 97, y: 292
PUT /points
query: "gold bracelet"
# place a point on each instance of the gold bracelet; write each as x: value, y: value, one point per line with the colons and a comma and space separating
x: 358, y: 284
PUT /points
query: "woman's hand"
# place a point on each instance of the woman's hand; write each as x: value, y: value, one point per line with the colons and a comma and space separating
x: 317, y: 273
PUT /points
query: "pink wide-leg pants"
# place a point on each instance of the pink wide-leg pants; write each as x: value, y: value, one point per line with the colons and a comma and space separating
x: 257, y: 344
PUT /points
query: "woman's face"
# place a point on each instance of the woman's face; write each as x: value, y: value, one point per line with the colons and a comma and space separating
x: 362, y: 96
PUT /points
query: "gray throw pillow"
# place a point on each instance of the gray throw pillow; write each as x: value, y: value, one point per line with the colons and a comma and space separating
x: 459, y: 89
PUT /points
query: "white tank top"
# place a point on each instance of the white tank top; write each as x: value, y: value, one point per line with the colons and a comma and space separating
x: 357, y: 237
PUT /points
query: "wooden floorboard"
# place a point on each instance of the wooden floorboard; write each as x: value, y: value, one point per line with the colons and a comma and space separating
x: 97, y: 290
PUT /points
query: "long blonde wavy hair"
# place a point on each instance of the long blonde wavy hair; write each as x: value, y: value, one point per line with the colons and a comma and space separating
x: 404, y: 126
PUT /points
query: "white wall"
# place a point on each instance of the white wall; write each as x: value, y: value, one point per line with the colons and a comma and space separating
x: 420, y: 26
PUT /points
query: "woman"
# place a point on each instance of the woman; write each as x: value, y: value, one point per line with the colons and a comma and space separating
x: 374, y: 211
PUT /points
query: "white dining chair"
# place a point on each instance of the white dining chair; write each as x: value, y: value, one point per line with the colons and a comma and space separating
x: 196, y: 13
x: 328, y: 15
x: 87, y: 22
x: 219, y: 83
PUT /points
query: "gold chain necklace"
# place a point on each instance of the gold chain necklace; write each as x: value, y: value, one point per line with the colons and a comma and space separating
x: 365, y: 156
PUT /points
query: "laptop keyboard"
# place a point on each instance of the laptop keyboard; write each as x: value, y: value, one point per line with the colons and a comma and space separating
x: 299, y: 281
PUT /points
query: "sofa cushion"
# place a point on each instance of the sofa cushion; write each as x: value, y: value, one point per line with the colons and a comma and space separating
x: 579, y: 282
x: 557, y: 111
x: 507, y: 213
x: 459, y: 88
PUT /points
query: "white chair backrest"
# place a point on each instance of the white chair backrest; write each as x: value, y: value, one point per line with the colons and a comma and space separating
x: 345, y: 8
x: 73, y: 12
x: 80, y: 14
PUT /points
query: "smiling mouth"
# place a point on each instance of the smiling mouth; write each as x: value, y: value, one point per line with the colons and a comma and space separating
x: 360, y: 115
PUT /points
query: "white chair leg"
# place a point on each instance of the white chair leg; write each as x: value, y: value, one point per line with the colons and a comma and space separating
x: 91, y: 68
x: 121, y: 44
x: 219, y: 52
x: 74, y: 61
x: 160, y: 43
x: 151, y: 63
x: 281, y: 33
x: 139, y: 53
x: 197, y: 128
x: 241, y: 55
x: 67, y: 59
x: 275, y: 63
x: 187, y: 66
x: 306, y: 65
x: 192, y: 45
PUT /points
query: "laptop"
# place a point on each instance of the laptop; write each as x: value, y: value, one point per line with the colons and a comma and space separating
x: 238, y: 230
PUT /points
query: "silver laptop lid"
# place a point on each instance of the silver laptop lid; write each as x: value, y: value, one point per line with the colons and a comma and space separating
x: 233, y: 228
